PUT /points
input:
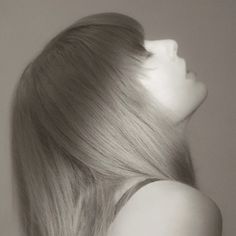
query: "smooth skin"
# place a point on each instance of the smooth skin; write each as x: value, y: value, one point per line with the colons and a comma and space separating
x: 167, y: 207
x: 167, y: 80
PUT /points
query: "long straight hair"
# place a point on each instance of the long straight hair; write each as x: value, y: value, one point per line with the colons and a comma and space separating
x: 82, y: 124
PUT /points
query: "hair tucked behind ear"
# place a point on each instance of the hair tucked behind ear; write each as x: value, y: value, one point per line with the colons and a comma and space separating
x: 82, y: 124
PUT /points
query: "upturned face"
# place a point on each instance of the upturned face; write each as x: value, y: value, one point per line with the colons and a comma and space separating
x: 168, y: 80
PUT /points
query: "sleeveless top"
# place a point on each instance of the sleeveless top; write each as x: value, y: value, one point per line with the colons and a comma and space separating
x: 126, y: 196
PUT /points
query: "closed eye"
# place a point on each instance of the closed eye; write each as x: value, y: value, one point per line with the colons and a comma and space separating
x: 149, y: 54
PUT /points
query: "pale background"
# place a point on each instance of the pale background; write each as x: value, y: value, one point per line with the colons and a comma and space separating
x: 205, y: 32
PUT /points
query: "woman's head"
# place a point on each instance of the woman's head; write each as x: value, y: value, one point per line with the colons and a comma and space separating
x: 82, y: 124
x: 166, y: 78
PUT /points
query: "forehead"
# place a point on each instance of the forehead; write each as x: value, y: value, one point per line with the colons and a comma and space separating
x: 166, y: 42
x: 147, y: 43
x: 153, y: 45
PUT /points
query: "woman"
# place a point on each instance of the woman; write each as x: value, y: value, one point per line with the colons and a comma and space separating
x: 100, y: 115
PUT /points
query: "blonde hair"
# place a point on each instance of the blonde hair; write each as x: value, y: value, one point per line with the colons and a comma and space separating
x: 82, y: 125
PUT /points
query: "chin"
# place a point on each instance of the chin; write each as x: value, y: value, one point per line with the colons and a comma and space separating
x: 201, y: 95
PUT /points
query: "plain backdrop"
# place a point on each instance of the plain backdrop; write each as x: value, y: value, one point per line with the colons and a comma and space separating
x: 205, y: 32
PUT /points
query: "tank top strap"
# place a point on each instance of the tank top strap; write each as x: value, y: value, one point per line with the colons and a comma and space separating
x: 126, y: 196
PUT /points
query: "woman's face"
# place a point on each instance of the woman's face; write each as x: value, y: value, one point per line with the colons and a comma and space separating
x: 168, y: 81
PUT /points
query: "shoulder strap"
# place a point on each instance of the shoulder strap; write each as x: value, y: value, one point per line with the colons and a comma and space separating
x: 126, y: 196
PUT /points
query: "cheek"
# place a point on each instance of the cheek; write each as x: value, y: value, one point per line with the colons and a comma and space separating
x: 172, y: 90
x: 178, y: 96
x: 166, y: 87
x: 183, y: 98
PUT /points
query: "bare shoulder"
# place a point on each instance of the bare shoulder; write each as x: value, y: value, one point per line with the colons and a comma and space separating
x: 168, y: 208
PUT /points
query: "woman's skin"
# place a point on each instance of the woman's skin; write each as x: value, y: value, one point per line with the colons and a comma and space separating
x: 178, y: 209
x: 168, y: 81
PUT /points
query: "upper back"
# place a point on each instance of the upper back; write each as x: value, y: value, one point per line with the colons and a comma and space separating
x: 167, y: 208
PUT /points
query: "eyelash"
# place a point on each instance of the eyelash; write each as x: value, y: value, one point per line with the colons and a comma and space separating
x: 149, y: 54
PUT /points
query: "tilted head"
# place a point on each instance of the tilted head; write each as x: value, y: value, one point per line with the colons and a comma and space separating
x: 169, y: 81
x: 82, y: 124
